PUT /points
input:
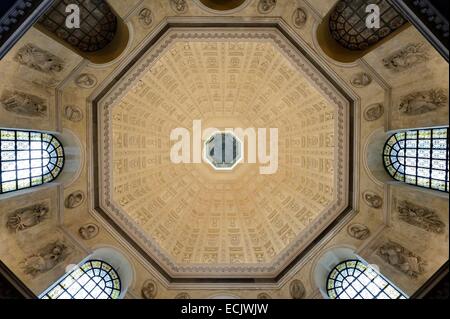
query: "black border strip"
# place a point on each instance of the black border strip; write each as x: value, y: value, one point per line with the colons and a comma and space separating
x: 135, y: 245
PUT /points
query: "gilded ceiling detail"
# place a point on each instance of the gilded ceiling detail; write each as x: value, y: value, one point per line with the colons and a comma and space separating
x: 192, y: 217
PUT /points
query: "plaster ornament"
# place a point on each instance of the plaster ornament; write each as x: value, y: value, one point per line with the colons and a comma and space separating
x: 28, y: 217
x: 407, y: 57
x: 266, y: 6
x: 149, y: 289
x: 39, y: 60
x: 421, y: 217
x: 422, y: 102
x: 358, y: 231
x: 402, y: 259
x: 146, y: 17
x: 24, y: 104
x: 86, y: 81
x: 299, y: 18
x: 263, y: 296
x: 374, y: 112
x: 45, y: 259
x: 74, y: 200
x: 297, y: 289
x: 361, y: 80
x: 183, y: 295
x: 73, y: 113
x: 88, y: 231
x: 179, y: 6
x: 373, y: 200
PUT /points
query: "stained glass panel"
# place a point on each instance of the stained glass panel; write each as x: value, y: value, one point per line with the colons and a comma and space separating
x: 95, y: 279
x: 26, y: 160
x: 419, y: 157
x: 352, y: 279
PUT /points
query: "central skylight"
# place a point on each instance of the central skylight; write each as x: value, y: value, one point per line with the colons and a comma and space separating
x: 223, y: 151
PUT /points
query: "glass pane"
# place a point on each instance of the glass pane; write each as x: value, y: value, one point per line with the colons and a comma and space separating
x: 23, y: 157
x: 420, y: 154
x: 365, y: 283
x: 82, y: 283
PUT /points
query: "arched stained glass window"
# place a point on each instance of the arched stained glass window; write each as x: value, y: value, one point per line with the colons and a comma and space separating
x: 352, y: 279
x: 95, y: 279
x: 419, y: 157
x: 28, y: 159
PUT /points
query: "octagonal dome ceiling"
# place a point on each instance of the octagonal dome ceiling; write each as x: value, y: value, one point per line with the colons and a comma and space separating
x: 194, y: 220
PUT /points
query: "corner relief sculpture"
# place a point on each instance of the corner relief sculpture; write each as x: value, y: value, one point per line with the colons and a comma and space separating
x: 297, y: 289
x: 358, y: 231
x: 86, y: 81
x: 46, y: 258
x: 407, y: 57
x: 73, y: 113
x: 266, y: 6
x: 299, y: 18
x: 183, y: 295
x: 27, y: 217
x: 146, y: 17
x: 88, y: 231
x: 373, y: 112
x: 74, y: 200
x: 420, y: 216
x: 372, y: 200
x: 149, y: 289
x: 39, y: 60
x: 422, y: 102
x: 402, y: 259
x: 361, y: 80
x: 23, y: 104
x: 179, y: 6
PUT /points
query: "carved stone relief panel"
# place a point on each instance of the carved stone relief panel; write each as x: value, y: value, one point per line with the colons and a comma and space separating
x: 38, y: 59
x: 407, y: 57
x: 88, y: 231
x: 373, y: 112
x: 299, y: 17
x: 27, y: 217
x: 401, y: 258
x: 266, y: 6
x: 149, y: 289
x: 179, y: 6
x: 372, y: 200
x: 263, y: 296
x: 361, y: 80
x: 422, y: 102
x: 74, y: 200
x: 24, y: 104
x: 297, y: 289
x: 358, y: 231
x: 73, y: 113
x: 86, y: 81
x: 420, y: 216
x: 146, y: 17
x: 46, y: 258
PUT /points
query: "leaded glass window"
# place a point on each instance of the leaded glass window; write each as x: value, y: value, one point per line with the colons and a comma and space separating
x: 95, y: 279
x: 98, y: 24
x: 28, y: 159
x: 419, y: 157
x: 348, y: 23
x: 352, y: 279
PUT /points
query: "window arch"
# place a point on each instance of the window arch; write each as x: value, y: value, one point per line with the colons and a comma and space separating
x: 28, y: 159
x: 419, y: 157
x: 94, y: 279
x: 353, y: 279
